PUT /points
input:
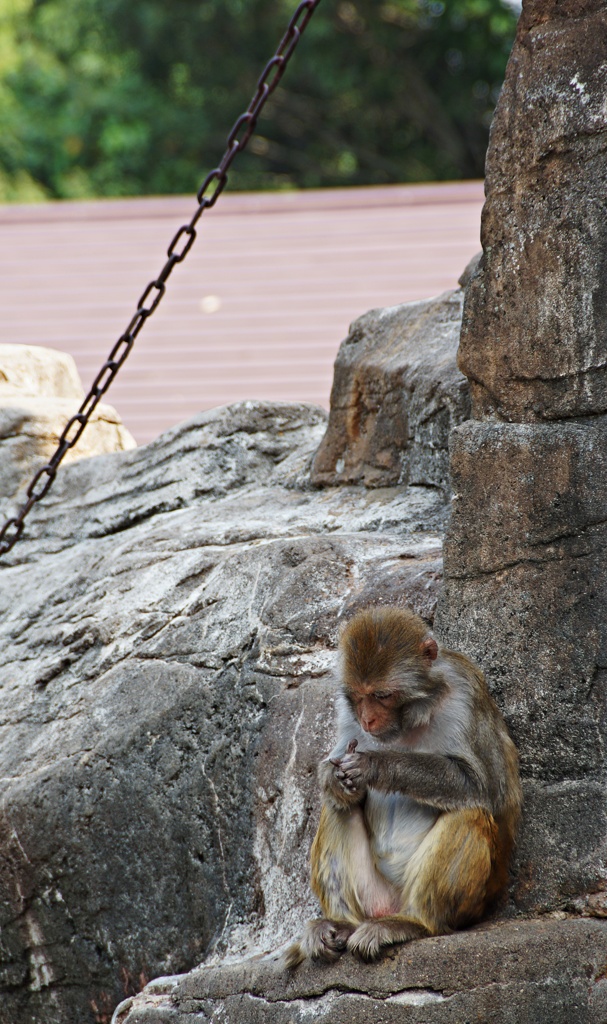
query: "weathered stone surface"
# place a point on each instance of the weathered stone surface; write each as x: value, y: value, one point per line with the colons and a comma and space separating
x: 547, y: 496
x: 525, y: 595
x: 39, y: 391
x: 534, y: 337
x: 540, y: 972
x: 396, y: 395
x: 167, y: 627
x: 525, y: 564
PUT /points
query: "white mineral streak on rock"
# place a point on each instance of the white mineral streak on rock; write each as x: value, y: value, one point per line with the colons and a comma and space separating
x: 580, y: 88
x: 40, y: 967
x: 416, y: 998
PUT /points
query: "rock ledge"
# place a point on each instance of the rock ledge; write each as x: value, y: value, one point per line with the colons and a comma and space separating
x: 530, y: 972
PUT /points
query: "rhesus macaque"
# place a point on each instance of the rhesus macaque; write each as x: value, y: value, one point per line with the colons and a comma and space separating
x: 421, y: 794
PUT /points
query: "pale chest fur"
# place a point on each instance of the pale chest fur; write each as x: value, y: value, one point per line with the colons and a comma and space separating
x: 396, y: 823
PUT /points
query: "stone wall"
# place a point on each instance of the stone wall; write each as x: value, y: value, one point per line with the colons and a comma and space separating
x: 534, y: 337
x: 526, y: 554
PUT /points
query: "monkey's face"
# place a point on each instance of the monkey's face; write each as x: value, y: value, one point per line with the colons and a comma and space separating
x: 379, y: 711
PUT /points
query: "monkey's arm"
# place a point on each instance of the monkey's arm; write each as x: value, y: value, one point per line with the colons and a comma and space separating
x: 441, y: 781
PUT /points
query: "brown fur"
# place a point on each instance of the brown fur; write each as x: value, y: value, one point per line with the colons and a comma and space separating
x: 376, y: 640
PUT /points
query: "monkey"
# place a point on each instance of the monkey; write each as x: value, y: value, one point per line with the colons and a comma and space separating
x: 421, y: 795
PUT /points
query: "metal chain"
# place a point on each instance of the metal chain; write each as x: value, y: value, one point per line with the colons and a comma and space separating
x: 207, y: 196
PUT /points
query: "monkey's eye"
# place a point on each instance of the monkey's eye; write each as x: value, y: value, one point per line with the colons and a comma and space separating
x: 382, y: 696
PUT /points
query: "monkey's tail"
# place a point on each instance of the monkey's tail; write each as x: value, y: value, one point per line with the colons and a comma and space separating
x: 294, y: 956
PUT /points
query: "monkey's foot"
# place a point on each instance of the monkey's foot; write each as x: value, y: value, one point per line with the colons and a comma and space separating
x: 371, y: 937
x: 322, y: 940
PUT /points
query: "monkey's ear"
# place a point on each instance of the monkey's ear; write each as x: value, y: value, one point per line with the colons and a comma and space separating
x: 429, y: 648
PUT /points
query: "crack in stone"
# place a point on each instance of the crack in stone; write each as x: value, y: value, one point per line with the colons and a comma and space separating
x: 557, y: 557
x: 312, y: 1003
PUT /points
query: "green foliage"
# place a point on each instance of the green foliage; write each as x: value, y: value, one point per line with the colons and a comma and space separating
x: 112, y: 97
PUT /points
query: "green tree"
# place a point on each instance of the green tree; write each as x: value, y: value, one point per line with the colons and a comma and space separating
x: 111, y: 97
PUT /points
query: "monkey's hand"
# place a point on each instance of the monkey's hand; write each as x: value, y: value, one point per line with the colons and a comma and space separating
x: 356, y: 771
x: 337, y: 788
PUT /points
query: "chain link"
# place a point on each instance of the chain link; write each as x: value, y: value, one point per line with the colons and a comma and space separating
x: 207, y: 196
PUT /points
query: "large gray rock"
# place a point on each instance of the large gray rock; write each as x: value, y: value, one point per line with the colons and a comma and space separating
x: 534, y: 338
x: 40, y: 391
x: 397, y: 393
x: 167, y: 631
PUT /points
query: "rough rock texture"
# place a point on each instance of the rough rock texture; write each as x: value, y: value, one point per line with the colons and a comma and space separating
x: 548, y: 972
x: 397, y: 393
x: 526, y: 594
x: 534, y: 339
x: 39, y: 391
x: 167, y: 627
x: 526, y: 556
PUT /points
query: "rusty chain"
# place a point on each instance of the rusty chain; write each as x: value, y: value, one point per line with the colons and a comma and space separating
x: 207, y: 196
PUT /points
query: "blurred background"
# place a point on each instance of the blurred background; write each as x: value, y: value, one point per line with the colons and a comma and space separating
x: 135, y: 97
x: 119, y: 108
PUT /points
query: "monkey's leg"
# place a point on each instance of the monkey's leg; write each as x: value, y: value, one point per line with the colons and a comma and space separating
x: 346, y: 882
x: 371, y: 937
x: 452, y: 876
x: 344, y: 875
x: 449, y: 881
